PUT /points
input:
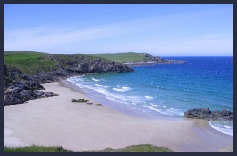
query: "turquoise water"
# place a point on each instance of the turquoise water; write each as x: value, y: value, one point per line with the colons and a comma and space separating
x: 169, y: 90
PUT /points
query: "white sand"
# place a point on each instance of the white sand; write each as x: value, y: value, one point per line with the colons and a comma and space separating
x: 79, y: 126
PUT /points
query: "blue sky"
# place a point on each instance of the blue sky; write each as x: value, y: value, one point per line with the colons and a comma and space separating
x: 158, y: 29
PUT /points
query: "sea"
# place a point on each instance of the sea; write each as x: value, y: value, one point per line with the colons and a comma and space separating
x: 166, y: 91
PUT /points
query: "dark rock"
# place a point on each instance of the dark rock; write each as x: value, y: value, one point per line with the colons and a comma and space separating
x: 158, y: 59
x: 17, y: 95
x: 226, y: 112
x: 48, y: 94
x: 74, y: 100
x: 13, y: 89
x: 38, y: 93
x: 206, y: 114
x: 27, y: 95
x: 12, y: 73
x: 152, y: 60
x: 34, y: 86
x: 80, y: 100
x: 26, y: 77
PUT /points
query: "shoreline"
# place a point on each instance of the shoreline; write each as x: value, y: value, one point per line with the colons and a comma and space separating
x: 124, y: 109
x: 53, y: 121
x: 109, y: 103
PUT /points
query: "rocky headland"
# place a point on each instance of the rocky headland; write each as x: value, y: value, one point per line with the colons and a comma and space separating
x: 20, y: 87
x: 152, y: 60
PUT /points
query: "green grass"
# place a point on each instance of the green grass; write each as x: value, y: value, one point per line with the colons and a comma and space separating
x: 137, y: 148
x: 29, y: 62
x: 123, y: 57
x: 34, y: 148
x: 133, y: 148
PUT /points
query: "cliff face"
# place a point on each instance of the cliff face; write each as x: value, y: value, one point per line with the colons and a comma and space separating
x: 89, y: 64
x: 20, y: 87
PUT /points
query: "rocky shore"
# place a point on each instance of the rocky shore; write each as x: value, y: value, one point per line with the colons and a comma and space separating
x: 207, y: 114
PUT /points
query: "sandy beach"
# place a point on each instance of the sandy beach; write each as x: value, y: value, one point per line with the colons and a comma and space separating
x: 78, y: 126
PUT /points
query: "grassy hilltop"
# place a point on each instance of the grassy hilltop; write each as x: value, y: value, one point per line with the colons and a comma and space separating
x: 29, y: 62
x: 125, y: 57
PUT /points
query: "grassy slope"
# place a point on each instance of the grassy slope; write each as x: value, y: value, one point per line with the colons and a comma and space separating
x: 29, y: 62
x: 134, y: 148
x: 137, y: 148
x: 123, y: 57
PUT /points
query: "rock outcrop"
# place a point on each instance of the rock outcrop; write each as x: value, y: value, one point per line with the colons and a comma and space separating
x: 88, y: 64
x: 19, y: 87
x: 152, y: 60
x: 206, y: 114
x: 16, y: 95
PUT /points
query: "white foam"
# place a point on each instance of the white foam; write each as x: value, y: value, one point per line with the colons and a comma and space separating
x: 154, y: 105
x: 123, y: 89
x: 155, y: 109
x: 170, y: 112
x: 98, y: 85
x: 95, y: 79
x: 136, y: 99
x: 81, y: 86
x: 70, y: 80
x: 75, y: 79
x: 100, y: 90
x: 101, y: 86
x: 227, y: 126
x: 228, y: 131
x: 149, y: 97
x: 129, y: 100
x: 174, y: 111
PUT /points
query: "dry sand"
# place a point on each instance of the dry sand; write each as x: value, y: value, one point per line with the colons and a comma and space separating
x: 78, y: 126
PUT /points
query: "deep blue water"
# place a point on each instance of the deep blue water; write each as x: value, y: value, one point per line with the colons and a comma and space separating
x: 169, y: 89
